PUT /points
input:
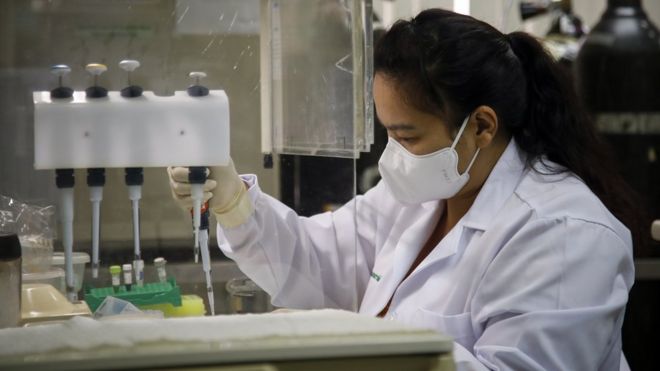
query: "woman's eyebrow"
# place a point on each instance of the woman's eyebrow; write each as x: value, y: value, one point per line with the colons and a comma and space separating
x: 397, y: 127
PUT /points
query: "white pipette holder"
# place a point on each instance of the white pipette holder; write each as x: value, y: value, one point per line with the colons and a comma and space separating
x: 146, y: 131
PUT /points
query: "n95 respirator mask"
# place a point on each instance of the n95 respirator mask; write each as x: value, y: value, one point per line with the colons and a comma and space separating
x: 414, y: 179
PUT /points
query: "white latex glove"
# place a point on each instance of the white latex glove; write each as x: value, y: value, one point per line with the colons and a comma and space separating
x: 224, y: 190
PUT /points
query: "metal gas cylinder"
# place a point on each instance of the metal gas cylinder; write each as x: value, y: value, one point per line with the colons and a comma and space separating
x: 618, y: 66
x: 617, y: 73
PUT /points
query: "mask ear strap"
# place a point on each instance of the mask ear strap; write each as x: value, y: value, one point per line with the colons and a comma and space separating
x: 460, y: 131
x: 472, y: 161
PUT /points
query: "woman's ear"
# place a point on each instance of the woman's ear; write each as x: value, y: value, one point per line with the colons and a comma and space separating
x: 487, y: 125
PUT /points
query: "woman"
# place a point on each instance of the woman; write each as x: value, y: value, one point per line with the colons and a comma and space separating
x: 496, y: 220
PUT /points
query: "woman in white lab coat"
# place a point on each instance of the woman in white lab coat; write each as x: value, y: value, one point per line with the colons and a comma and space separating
x: 499, y: 219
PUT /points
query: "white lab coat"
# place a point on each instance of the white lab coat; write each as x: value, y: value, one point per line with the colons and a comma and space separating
x: 534, y: 277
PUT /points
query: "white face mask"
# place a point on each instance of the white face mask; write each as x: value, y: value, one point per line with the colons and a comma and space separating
x: 415, y: 179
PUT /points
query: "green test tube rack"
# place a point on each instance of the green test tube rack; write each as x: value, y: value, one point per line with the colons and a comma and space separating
x: 149, y: 294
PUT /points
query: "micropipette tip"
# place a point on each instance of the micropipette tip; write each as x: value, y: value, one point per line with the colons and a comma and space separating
x: 206, y: 260
x: 196, y: 245
x: 209, y: 291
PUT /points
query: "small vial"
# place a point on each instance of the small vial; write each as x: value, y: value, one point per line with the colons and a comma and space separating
x: 138, y: 268
x: 159, y: 263
x: 115, y: 271
x: 128, y: 276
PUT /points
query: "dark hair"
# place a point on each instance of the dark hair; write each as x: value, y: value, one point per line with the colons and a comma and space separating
x: 449, y: 64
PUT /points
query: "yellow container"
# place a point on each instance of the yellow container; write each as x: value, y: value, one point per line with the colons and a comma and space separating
x: 191, y: 306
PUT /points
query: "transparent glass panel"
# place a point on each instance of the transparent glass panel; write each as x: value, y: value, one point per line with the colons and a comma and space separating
x: 321, y: 67
x: 224, y: 39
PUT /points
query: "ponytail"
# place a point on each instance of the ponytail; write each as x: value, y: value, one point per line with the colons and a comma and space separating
x: 551, y: 120
x: 453, y: 63
x: 557, y: 128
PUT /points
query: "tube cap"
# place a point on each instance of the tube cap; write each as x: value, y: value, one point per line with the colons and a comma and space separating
x: 10, y: 247
x: 115, y: 269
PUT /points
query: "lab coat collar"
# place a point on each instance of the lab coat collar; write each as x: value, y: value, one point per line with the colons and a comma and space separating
x: 398, y: 255
x: 500, y: 185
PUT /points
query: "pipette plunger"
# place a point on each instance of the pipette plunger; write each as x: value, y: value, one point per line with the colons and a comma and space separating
x: 61, y: 92
x: 197, y: 90
x: 131, y: 91
x: 96, y: 70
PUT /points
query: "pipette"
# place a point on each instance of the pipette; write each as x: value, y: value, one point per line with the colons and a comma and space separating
x: 65, y: 181
x: 96, y: 176
x: 206, y: 257
x: 134, y: 180
x: 197, y: 174
x: 134, y: 177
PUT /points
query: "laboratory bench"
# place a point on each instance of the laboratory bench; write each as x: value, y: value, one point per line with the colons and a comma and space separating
x: 640, y: 330
x: 289, y: 341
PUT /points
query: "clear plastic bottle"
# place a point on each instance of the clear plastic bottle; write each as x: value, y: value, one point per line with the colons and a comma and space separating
x: 10, y: 280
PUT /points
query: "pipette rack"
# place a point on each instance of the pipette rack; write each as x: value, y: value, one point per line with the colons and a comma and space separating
x: 149, y: 294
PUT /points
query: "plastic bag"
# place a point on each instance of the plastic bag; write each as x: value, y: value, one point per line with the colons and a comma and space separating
x: 34, y: 225
x: 115, y: 308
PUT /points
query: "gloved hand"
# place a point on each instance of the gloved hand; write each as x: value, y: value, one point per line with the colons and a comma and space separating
x: 224, y: 190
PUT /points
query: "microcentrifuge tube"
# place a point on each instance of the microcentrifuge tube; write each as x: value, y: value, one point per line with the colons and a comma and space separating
x: 159, y: 263
x: 128, y: 276
x: 138, y: 268
x: 115, y: 272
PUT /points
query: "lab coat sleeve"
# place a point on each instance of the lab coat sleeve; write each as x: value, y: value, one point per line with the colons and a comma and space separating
x: 554, y: 298
x: 304, y: 263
